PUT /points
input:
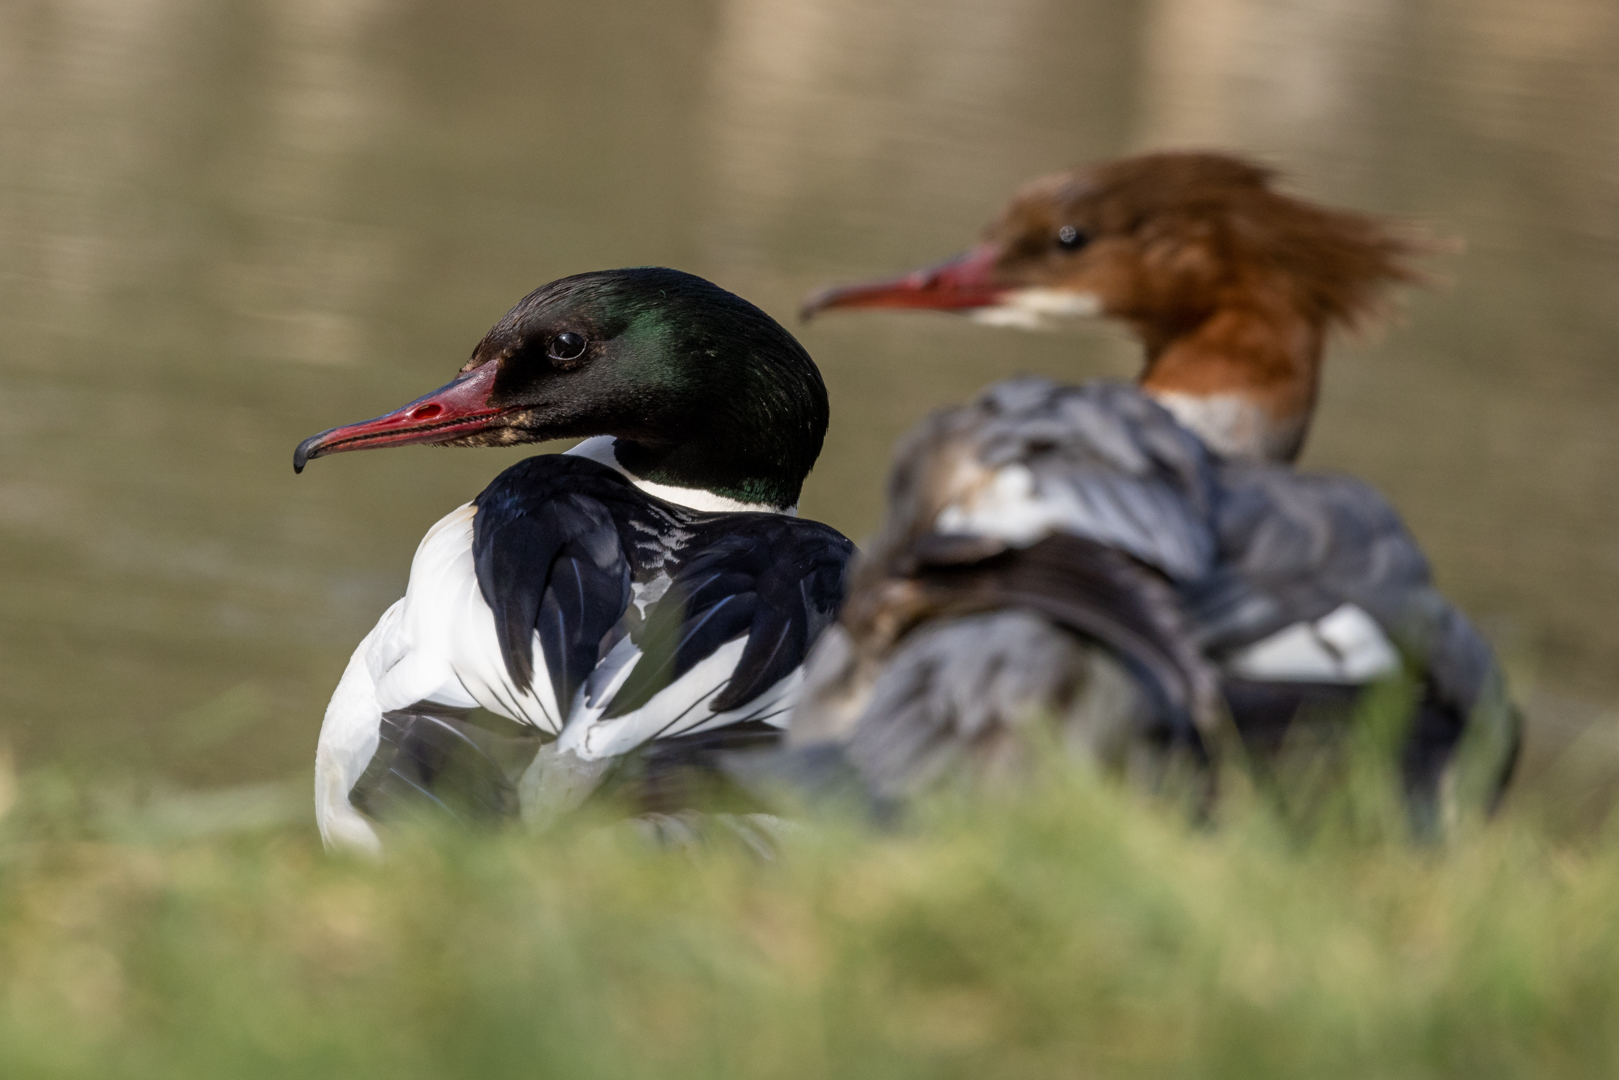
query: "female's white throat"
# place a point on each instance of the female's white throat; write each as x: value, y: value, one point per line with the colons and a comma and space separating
x: 599, y: 448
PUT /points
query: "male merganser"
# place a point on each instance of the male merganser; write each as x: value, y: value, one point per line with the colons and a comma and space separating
x: 653, y: 583
x: 1073, y: 553
x: 1230, y: 285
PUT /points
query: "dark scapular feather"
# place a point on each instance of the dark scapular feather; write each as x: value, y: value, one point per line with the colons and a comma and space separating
x: 776, y: 579
x: 559, y: 541
x: 444, y: 762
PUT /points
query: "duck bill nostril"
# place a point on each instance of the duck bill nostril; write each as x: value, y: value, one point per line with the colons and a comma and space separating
x: 450, y: 412
x: 959, y: 284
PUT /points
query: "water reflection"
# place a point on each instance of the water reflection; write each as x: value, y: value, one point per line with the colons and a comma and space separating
x: 301, y: 283
x: 225, y: 227
x: 1299, y: 80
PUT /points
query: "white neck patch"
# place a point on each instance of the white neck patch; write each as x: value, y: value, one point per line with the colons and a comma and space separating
x: 1038, y: 308
x: 1231, y: 425
x: 599, y: 448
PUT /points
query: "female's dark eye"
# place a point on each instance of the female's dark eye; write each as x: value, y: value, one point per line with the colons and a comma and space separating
x: 566, y: 346
x: 1071, y: 239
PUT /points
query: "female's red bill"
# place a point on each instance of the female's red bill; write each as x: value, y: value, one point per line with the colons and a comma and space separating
x: 959, y: 284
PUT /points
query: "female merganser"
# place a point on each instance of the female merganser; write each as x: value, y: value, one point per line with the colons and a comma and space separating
x: 653, y: 583
x: 1232, y: 288
x: 1073, y: 553
x: 1230, y: 285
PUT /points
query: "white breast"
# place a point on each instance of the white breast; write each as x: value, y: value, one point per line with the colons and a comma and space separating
x: 1229, y: 425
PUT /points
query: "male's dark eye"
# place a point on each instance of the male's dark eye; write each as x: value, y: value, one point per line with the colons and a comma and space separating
x: 1071, y: 239
x: 566, y: 346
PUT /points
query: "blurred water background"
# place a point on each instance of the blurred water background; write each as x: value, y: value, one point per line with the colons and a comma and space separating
x: 225, y: 226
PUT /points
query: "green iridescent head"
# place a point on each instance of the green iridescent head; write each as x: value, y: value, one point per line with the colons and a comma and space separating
x: 700, y: 388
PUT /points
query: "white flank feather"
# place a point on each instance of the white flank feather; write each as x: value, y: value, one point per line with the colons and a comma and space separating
x: 348, y: 738
x: 1344, y: 646
x: 680, y: 708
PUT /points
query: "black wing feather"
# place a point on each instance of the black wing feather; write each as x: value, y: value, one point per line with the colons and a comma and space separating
x: 504, y: 552
x: 798, y: 598
x: 776, y: 579
x: 583, y: 601
x: 679, y: 631
x: 550, y: 558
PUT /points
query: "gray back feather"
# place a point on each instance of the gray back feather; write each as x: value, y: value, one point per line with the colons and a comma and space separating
x: 1106, y: 463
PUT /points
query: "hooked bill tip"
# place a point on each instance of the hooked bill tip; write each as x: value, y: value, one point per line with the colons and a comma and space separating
x: 306, y: 451
x: 811, y: 306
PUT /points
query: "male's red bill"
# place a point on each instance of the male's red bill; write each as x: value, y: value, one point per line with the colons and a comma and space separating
x: 450, y: 412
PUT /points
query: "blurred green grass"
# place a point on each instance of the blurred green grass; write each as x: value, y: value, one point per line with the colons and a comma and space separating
x: 1074, y: 929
